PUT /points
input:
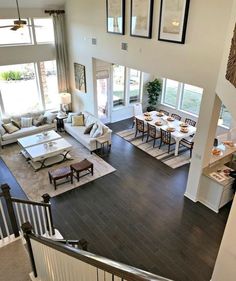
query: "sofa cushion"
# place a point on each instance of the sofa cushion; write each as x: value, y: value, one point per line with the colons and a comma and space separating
x: 10, y: 128
x: 26, y: 122
x: 78, y: 120
x: 16, y: 122
x: 95, y: 126
x: 50, y: 116
x: 41, y: 120
x: 69, y: 117
x: 98, y: 132
x: 88, y: 129
x: 2, y: 130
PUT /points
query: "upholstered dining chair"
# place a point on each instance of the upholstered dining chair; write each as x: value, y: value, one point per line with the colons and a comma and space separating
x: 188, y: 143
x: 176, y: 116
x: 165, y: 112
x: 140, y: 127
x: 190, y: 122
x: 152, y: 133
x: 137, y: 110
x: 167, y: 139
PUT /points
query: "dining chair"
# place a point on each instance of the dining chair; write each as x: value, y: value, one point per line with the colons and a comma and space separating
x: 190, y: 122
x: 152, y: 133
x: 166, y: 138
x: 140, y: 127
x: 188, y: 143
x: 165, y: 112
x: 176, y: 116
x: 137, y: 110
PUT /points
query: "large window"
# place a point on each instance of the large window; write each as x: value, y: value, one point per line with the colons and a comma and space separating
x: 191, y: 99
x: 118, y: 85
x: 225, y: 116
x: 19, y: 89
x: 49, y: 84
x: 171, y: 92
x: 127, y: 84
x: 14, y: 37
x: 182, y: 96
x: 134, y: 85
x: 44, y: 30
x: 23, y: 89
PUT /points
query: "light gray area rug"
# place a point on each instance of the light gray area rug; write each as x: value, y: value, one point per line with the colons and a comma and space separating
x: 161, y: 154
x: 35, y: 184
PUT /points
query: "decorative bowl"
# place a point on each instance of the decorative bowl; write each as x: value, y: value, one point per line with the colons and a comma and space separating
x: 170, y: 129
x: 148, y: 118
x: 170, y: 119
x: 184, y: 125
x: 158, y: 123
x: 147, y: 114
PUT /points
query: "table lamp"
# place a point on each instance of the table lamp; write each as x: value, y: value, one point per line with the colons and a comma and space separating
x: 65, y: 101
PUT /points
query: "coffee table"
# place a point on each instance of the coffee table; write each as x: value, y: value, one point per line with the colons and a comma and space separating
x: 44, y: 151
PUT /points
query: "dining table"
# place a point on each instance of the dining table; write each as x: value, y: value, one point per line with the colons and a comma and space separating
x: 166, y: 122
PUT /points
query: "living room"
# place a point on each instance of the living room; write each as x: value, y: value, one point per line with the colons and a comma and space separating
x: 198, y: 63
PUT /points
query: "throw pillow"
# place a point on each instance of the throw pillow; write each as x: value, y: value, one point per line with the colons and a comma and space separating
x: 2, y: 130
x: 41, y: 120
x: 78, y: 120
x: 95, y: 126
x: 98, y: 132
x: 50, y: 116
x: 16, y: 123
x: 88, y: 129
x: 26, y: 122
x: 10, y: 128
x: 69, y: 117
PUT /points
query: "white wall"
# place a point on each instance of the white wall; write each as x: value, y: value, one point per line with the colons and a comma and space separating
x: 196, y: 62
x: 225, y: 268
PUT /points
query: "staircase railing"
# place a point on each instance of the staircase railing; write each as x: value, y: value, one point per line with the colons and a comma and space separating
x: 14, y: 212
x: 53, y: 261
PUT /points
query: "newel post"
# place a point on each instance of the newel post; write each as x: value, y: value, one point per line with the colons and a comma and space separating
x: 27, y: 230
x: 46, y: 199
x: 7, y: 196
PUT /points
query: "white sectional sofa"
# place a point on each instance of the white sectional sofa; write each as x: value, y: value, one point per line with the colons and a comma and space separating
x: 6, y: 138
x: 78, y: 132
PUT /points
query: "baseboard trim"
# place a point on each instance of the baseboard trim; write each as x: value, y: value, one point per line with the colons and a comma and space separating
x: 189, y: 196
x: 6, y: 241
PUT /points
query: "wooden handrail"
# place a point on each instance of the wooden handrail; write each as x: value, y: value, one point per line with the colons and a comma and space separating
x: 121, y: 270
x: 17, y: 200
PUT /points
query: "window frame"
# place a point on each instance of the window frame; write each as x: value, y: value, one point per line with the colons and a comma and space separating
x: 127, y: 102
x: 179, y: 98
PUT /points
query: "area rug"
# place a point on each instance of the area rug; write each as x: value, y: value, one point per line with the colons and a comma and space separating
x: 35, y: 184
x: 160, y: 154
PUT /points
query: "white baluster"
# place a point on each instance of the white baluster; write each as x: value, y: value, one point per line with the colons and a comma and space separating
x: 49, y: 221
x: 44, y: 219
x: 22, y: 212
x: 39, y: 220
x: 27, y: 213
x: 34, y: 222
x: 18, y: 217
x: 4, y: 220
x: 1, y: 234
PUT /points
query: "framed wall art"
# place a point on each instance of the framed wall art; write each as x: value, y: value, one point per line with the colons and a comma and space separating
x: 115, y: 16
x: 80, y: 77
x: 173, y: 20
x: 231, y: 66
x: 141, y: 18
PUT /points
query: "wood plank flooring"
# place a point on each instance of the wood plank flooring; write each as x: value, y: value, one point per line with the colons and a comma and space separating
x: 139, y: 215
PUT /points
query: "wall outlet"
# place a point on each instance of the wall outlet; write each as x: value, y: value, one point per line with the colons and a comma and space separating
x: 94, y: 41
x: 124, y: 46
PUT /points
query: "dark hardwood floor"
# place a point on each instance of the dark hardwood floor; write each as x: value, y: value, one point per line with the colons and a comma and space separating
x: 139, y: 215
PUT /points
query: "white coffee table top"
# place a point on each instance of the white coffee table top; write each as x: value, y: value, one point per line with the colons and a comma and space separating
x: 38, y: 139
x: 43, y: 151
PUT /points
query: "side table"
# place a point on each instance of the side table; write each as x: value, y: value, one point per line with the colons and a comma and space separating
x: 104, y: 146
x: 60, y: 123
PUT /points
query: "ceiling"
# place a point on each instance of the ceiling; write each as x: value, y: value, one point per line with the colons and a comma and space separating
x: 32, y: 3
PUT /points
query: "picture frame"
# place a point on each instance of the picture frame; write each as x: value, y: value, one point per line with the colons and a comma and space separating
x: 80, y: 77
x: 231, y: 65
x: 141, y: 17
x: 115, y: 12
x: 173, y: 20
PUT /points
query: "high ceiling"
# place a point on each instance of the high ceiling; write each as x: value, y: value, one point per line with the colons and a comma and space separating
x: 32, y: 3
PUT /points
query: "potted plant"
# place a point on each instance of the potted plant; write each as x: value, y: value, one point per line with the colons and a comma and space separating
x: 154, y: 90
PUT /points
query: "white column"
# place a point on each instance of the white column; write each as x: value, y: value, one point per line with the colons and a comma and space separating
x: 206, y: 129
